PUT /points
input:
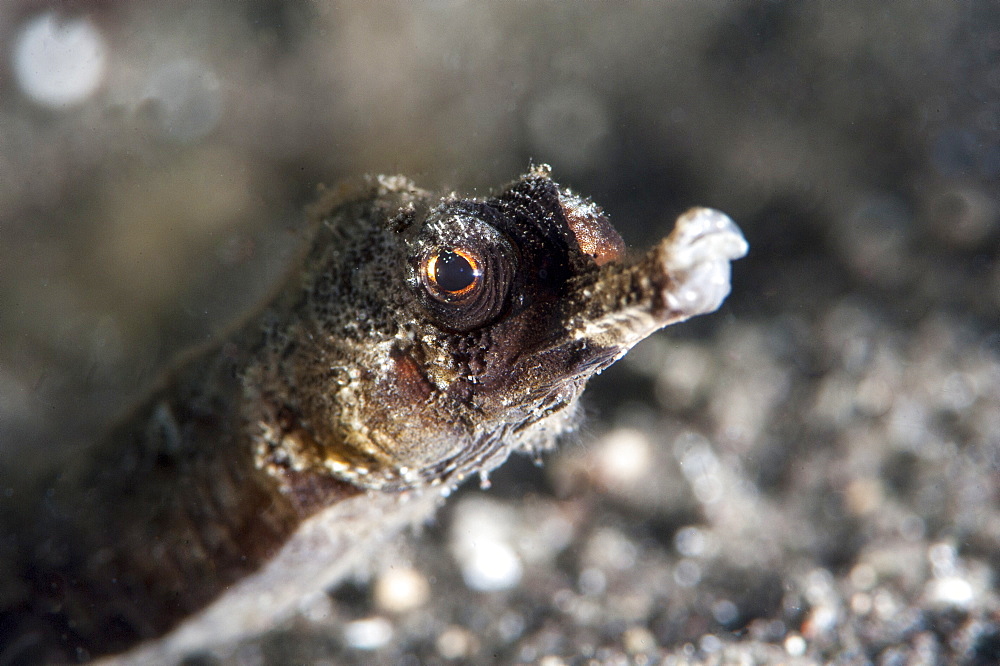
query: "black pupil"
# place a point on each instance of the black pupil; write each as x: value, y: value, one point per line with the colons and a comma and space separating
x: 453, y: 272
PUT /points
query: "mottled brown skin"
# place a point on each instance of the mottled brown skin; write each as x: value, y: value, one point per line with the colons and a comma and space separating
x: 363, y: 375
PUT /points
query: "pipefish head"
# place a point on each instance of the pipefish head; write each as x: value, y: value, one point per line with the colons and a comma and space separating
x: 437, y: 335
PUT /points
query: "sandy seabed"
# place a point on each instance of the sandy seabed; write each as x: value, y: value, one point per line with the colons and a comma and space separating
x: 810, y: 475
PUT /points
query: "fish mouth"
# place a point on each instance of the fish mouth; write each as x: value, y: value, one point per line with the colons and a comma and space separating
x: 684, y: 275
x: 697, y: 256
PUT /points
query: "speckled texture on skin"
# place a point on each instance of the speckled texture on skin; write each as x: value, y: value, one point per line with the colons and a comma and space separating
x: 368, y: 388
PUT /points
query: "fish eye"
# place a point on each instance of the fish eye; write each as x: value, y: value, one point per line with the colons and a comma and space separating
x: 462, y: 267
x: 452, y: 273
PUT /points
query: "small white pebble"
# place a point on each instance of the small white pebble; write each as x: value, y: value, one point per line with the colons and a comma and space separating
x: 491, y: 565
x: 456, y: 643
x: 861, y: 603
x: 401, y: 589
x: 885, y: 605
x: 820, y: 587
x: 481, y: 539
x: 551, y: 660
x: 795, y: 645
x: 725, y: 611
x: 708, y: 489
x: 710, y: 643
x: 368, y: 634
x: 942, y: 557
x: 610, y: 550
x: 623, y: 457
x: 638, y: 640
x: 821, y: 620
x: 58, y: 61
x: 510, y: 626
x: 690, y: 541
x: 687, y: 573
x: 864, y: 496
x: 952, y: 591
x: 592, y: 581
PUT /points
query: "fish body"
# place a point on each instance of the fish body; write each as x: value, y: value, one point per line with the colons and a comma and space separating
x: 421, y: 340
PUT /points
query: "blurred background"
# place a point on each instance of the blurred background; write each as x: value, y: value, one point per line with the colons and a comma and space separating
x: 812, y: 473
